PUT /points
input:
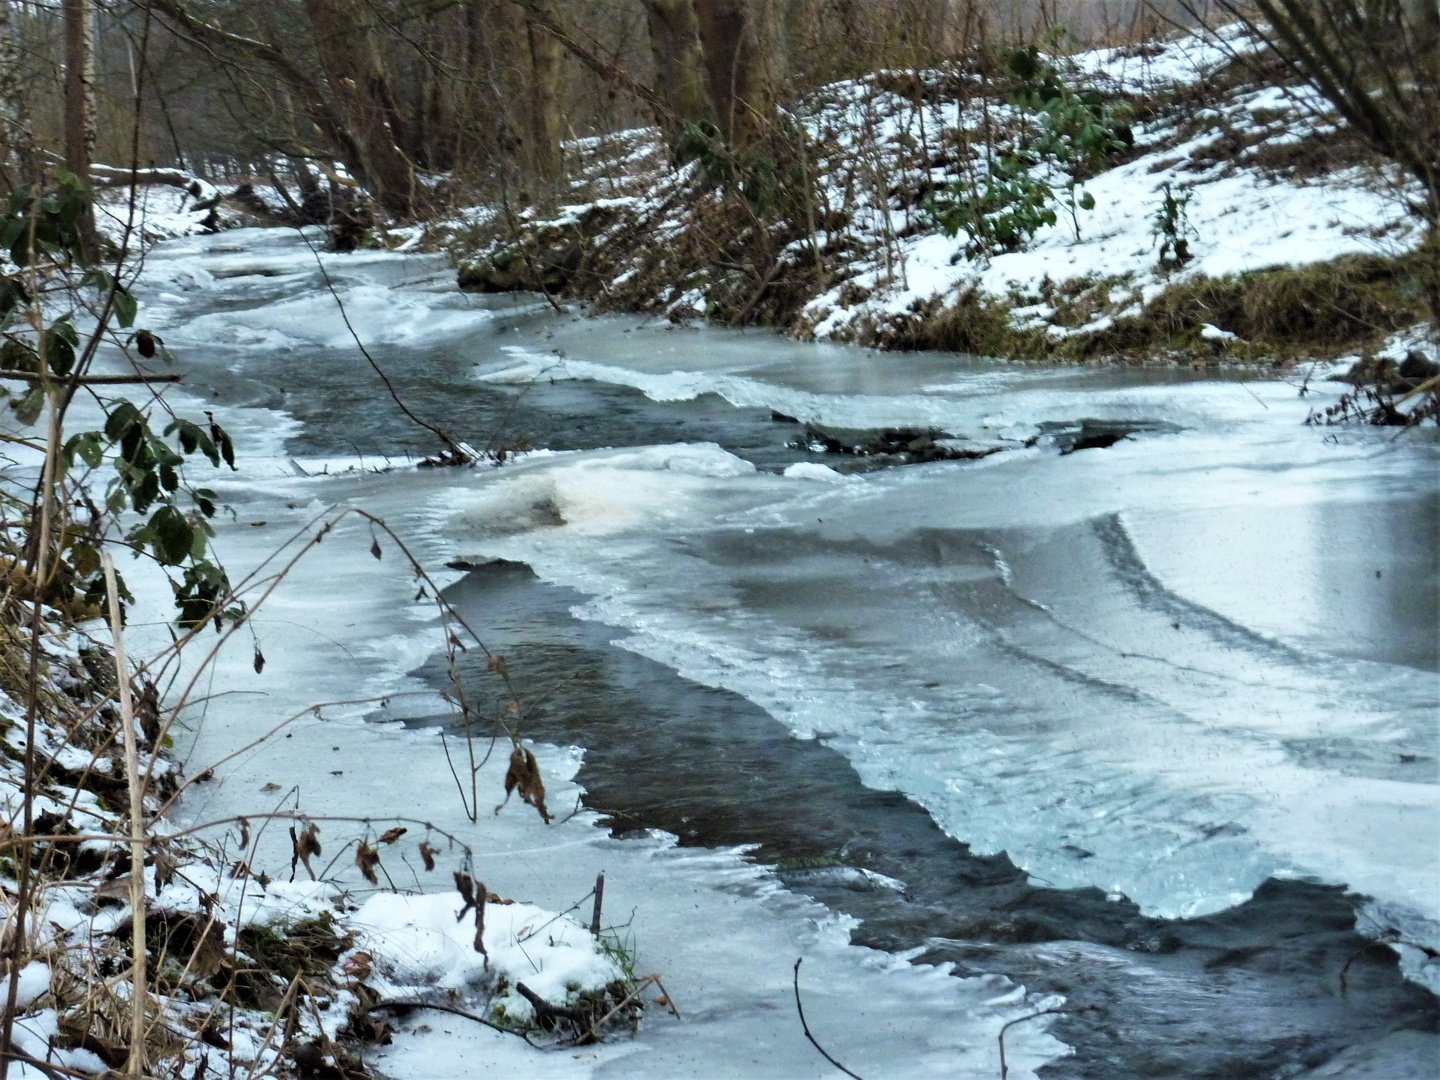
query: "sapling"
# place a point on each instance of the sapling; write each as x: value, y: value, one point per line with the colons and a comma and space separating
x: 1171, y: 226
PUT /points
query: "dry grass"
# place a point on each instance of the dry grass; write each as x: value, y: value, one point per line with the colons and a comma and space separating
x: 1348, y: 305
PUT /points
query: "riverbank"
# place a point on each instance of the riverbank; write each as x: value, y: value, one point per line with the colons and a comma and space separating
x: 1241, y: 223
x: 246, y: 967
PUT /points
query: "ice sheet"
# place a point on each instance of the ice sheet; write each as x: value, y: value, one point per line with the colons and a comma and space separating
x: 731, y: 980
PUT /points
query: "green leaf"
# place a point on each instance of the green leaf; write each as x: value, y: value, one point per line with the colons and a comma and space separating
x: 125, y: 307
x: 163, y: 453
x: 227, y: 447
x: 193, y: 437
x: 12, y: 295
x: 58, y: 351
x: 87, y: 444
x: 20, y: 249
x: 84, y: 558
x: 65, y: 331
x: 145, y: 492
x: 172, y: 536
x: 122, y: 416
x: 91, y: 450
x: 96, y: 593
x: 101, y: 279
x: 28, y: 408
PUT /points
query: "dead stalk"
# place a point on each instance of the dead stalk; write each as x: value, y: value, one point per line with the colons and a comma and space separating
x: 138, y: 992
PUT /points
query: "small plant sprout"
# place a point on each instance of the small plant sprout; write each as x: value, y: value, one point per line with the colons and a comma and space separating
x: 1171, y: 226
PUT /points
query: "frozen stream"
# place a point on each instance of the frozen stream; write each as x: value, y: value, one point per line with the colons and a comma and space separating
x: 1113, y: 724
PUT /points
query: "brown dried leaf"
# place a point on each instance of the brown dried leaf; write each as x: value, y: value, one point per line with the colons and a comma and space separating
x: 367, y: 858
x: 428, y: 853
x: 147, y: 712
x: 165, y: 865
x: 466, y: 886
x: 244, y: 832
x: 524, y: 775
x: 304, y: 845
x: 375, y: 548
x: 389, y: 836
x: 359, y: 966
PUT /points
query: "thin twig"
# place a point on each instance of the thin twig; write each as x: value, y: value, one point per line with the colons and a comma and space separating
x: 1004, y: 1070
x: 813, y: 1041
x: 407, y: 1004
x: 446, y: 439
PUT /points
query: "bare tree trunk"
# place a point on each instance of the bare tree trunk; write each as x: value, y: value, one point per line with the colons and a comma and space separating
x: 478, y: 136
x: 441, y: 95
x: 679, y: 63
x: 80, y: 104
x: 360, y: 90
x: 17, y: 140
x: 546, y: 160
x: 739, y: 65
x: 507, y: 43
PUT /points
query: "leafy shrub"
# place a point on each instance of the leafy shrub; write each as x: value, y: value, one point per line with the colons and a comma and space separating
x: 1013, y: 205
x: 1079, y: 134
x: 42, y: 231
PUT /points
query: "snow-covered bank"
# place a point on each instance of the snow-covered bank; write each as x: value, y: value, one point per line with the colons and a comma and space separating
x: 1295, y: 241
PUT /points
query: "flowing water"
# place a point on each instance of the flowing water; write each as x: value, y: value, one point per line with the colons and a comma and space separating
x: 1136, y: 705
